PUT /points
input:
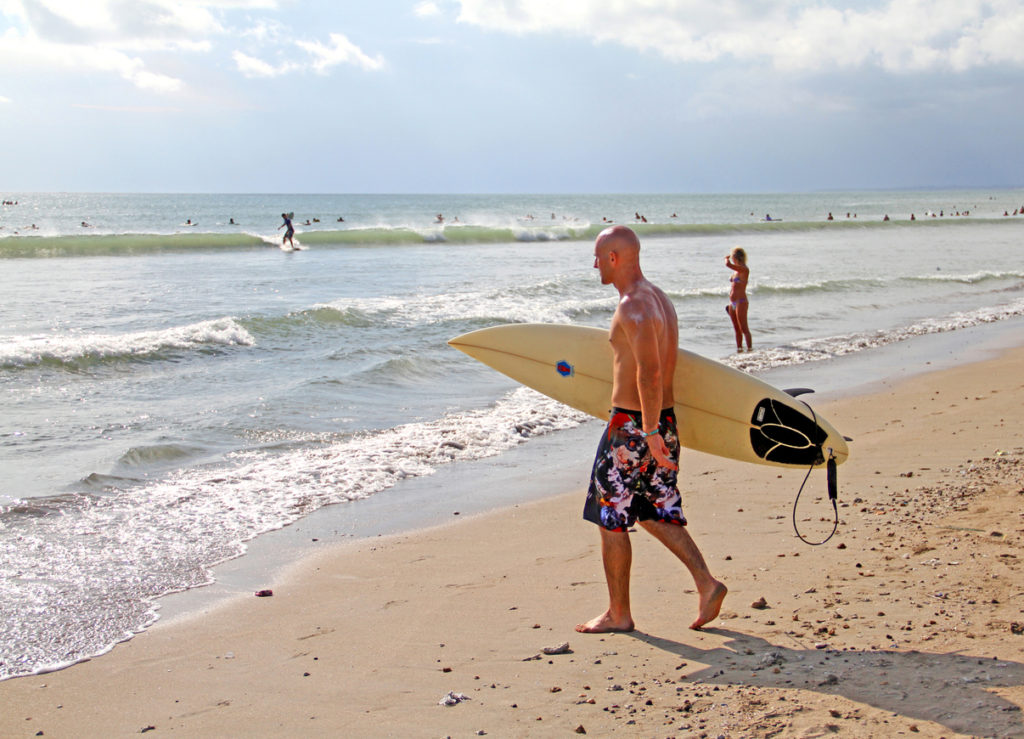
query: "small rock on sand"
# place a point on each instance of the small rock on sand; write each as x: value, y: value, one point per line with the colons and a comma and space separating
x: 562, y: 648
x: 453, y: 699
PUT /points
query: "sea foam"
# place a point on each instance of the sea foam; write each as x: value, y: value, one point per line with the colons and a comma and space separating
x: 76, y: 349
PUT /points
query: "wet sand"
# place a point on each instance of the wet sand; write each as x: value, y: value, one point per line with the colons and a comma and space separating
x: 910, y: 621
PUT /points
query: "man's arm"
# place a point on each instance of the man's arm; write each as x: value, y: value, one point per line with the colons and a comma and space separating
x: 643, y: 332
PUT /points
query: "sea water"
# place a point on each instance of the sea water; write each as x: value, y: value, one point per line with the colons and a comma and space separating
x: 173, y: 385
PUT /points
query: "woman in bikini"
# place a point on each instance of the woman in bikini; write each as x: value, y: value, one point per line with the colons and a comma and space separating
x: 737, y: 308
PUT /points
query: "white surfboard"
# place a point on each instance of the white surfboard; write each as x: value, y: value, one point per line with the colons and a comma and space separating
x: 719, y: 410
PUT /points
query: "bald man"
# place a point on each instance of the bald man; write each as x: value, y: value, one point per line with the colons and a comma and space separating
x: 634, y: 475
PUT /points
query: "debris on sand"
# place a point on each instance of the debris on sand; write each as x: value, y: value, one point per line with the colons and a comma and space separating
x: 562, y: 648
x: 453, y: 699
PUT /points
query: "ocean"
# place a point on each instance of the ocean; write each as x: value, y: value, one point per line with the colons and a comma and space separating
x: 174, y: 385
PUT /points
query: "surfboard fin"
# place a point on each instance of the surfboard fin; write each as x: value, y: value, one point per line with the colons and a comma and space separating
x: 795, y: 391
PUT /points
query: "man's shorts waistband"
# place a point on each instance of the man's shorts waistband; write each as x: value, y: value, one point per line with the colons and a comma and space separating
x: 631, y: 412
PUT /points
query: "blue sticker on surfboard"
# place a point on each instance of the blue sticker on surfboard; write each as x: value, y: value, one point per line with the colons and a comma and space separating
x: 564, y: 368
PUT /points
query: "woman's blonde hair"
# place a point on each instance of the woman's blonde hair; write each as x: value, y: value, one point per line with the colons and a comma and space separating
x: 739, y: 255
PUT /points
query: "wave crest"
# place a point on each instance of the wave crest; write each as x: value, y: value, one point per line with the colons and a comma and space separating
x: 82, y: 350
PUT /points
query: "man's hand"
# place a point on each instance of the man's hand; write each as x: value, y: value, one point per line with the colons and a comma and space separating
x: 659, y: 450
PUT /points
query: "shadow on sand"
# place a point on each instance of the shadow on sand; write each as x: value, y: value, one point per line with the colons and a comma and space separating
x: 950, y: 689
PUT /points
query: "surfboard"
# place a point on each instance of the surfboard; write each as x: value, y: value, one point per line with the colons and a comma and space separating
x: 719, y: 410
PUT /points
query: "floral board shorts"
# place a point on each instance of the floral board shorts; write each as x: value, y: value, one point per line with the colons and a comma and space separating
x: 627, y: 485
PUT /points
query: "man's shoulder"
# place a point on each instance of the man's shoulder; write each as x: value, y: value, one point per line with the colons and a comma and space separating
x: 646, y: 300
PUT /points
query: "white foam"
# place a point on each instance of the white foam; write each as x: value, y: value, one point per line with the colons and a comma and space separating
x: 88, y: 577
x: 68, y: 347
x: 817, y: 349
x: 506, y: 304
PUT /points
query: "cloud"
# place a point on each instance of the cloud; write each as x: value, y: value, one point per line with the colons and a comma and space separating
x: 426, y: 9
x: 107, y: 36
x: 340, y: 51
x: 4, y: 100
x: 125, y: 24
x: 160, y: 110
x: 23, y: 52
x: 321, y: 58
x: 112, y: 36
x: 796, y: 35
x: 252, y: 67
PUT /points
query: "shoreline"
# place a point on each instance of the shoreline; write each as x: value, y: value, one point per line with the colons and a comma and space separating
x: 903, y: 623
x: 386, y: 513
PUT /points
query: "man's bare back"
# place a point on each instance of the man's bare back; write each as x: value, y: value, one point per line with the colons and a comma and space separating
x: 648, y: 304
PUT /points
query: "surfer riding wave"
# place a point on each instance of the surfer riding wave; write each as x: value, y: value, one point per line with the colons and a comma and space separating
x: 290, y: 231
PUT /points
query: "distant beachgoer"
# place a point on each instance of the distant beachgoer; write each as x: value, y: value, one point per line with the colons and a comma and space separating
x: 738, y: 304
x: 674, y: 215
x: 767, y: 217
x: 634, y: 477
x: 912, y: 217
x: 340, y: 219
x: 231, y: 222
x: 829, y: 216
x: 886, y: 217
x: 289, y: 231
x: 440, y: 218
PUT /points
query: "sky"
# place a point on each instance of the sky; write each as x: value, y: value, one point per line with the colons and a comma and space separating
x: 503, y: 96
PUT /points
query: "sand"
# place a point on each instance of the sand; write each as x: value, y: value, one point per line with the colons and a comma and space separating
x: 908, y: 622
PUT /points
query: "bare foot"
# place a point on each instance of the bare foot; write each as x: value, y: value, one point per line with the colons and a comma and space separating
x: 710, y: 605
x: 604, y: 624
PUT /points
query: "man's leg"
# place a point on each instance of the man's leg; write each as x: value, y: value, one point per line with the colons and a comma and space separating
x: 617, y: 554
x: 680, y: 543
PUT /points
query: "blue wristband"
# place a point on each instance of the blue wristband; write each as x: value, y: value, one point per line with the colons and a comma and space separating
x: 645, y: 434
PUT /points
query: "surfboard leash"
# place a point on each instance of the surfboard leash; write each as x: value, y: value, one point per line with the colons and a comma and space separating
x: 833, y: 487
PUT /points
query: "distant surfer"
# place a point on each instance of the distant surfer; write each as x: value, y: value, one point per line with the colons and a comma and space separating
x: 738, y: 304
x: 289, y: 231
x: 634, y: 475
